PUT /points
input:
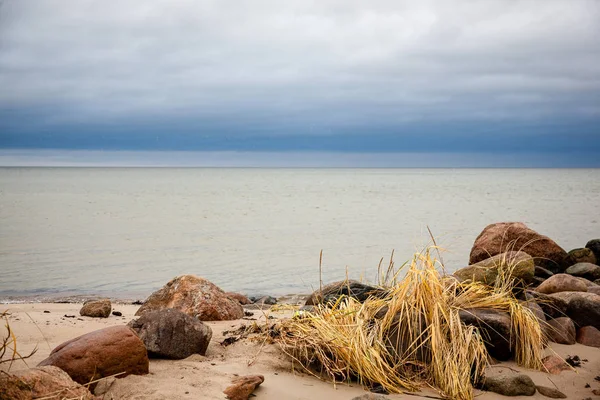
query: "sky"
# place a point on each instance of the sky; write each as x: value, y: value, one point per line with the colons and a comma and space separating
x: 497, y: 80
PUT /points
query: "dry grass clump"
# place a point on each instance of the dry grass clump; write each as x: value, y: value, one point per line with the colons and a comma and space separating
x: 412, y: 337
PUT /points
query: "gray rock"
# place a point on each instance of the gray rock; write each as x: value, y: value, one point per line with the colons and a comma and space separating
x: 494, y: 327
x: 561, y: 330
x: 561, y: 283
x: 582, y: 307
x: 96, y: 308
x: 170, y: 333
x: 584, y: 270
x: 583, y: 255
x: 594, y: 245
x: 551, y: 392
x: 266, y: 300
x: 510, y: 385
x: 543, y: 272
x: 371, y: 396
x: 486, y: 271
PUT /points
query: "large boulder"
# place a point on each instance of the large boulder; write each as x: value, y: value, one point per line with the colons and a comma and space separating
x: 583, y: 255
x: 594, y: 246
x: 169, y: 333
x: 582, y: 307
x: 509, y: 236
x: 561, y: 330
x: 494, y: 327
x: 96, y: 308
x: 518, y: 264
x: 102, y: 353
x: 561, y: 283
x: 585, y: 270
x: 196, y: 297
x: 333, y: 291
x: 44, y: 382
x: 510, y: 385
x: 588, y: 336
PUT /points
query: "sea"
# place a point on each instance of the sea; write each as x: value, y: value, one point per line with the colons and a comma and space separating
x: 125, y: 232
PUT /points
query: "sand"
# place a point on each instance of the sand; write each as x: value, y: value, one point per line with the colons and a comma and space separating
x: 205, y: 377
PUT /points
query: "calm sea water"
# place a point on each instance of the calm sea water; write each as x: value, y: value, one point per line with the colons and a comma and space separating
x: 126, y: 232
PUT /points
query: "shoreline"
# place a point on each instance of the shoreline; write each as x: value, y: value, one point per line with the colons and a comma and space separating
x: 46, y: 325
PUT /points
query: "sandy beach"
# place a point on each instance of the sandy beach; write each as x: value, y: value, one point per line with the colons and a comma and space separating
x: 46, y: 325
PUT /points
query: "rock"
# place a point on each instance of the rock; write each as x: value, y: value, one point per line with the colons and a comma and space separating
x: 494, y: 327
x: 594, y: 289
x: 243, y: 300
x: 588, y: 336
x: 101, y: 353
x: 371, y: 396
x: 506, y: 236
x: 561, y: 330
x: 243, y: 387
x: 597, y: 281
x: 521, y: 266
x: 510, y: 385
x: 555, y: 365
x: 588, y: 284
x: 350, y: 288
x: 583, y: 255
x: 551, y: 306
x: 543, y: 272
x: 583, y: 308
x: 195, y: 296
x: 44, y: 382
x: 561, y: 283
x: 584, y: 270
x: 594, y: 245
x: 266, y: 300
x: 169, y: 333
x: 104, y: 385
x: 96, y: 309
x: 117, y: 313
x: 551, y: 392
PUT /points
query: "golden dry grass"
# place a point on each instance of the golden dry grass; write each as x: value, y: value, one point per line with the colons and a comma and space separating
x: 413, y: 336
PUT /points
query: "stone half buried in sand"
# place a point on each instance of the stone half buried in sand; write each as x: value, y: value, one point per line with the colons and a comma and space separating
x: 242, y: 387
x: 96, y: 308
x: 169, y: 333
x: 102, y: 353
x: 196, y: 297
x: 47, y: 382
x: 520, y: 265
x: 515, y: 236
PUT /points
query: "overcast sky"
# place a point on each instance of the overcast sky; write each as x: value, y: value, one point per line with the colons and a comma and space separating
x: 337, y: 76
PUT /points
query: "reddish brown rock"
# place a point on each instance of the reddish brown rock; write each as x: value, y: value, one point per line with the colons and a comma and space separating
x: 588, y: 336
x: 243, y: 387
x: 582, y: 307
x: 196, y: 297
x: 96, y: 308
x: 44, y: 382
x: 243, y: 300
x: 555, y: 365
x: 561, y: 283
x: 101, y: 353
x: 508, y: 236
x: 561, y: 330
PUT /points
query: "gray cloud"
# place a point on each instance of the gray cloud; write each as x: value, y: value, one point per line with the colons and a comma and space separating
x: 328, y: 63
